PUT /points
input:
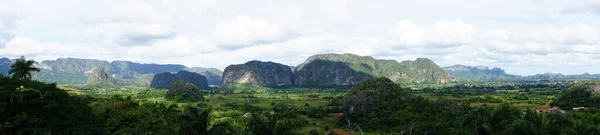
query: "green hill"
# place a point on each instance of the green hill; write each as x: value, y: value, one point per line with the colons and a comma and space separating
x: 479, y: 73
x: 421, y: 70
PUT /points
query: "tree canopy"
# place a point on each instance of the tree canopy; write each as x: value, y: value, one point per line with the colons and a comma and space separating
x: 32, y: 107
x: 185, y: 92
x: 22, y: 69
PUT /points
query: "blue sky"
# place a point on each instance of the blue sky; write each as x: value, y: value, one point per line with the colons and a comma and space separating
x: 522, y: 36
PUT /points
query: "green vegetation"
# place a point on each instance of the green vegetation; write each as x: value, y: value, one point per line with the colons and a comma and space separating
x: 374, y: 106
x: 581, y: 95
x: 32, y: 107
x: 22, y: 69
x: 421, y: 70
x: 184, y: 92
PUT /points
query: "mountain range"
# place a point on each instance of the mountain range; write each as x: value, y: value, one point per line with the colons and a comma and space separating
x: 321, y: 70
x: 74, y: 71
x: 485, y: 74
x: 333, y: 70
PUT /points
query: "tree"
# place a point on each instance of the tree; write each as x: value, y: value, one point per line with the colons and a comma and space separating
x: 32, y: 107
x: 184, y: 92
x: 22, y: 69
x: 272, y: 123
x: 200, y: 122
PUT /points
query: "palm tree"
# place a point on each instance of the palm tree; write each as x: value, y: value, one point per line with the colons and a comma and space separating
x: 201, y: 122
x: 282, y: 123
x: 22, y: 69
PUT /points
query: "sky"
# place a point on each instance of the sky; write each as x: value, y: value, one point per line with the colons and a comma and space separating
x: 523, y: 37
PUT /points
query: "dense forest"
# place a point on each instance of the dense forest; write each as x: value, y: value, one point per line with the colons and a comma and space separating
x: 376, y: 105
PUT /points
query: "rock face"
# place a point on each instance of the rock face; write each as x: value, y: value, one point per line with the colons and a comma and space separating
x: 165, y: 80
x: 98, y: 77
x: 421, y: 70
x: 257, y: 73
x: 322, y: 73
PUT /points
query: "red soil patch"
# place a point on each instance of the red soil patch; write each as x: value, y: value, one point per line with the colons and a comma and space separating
x: 488, y: 104
x: 341, y: 131
x: 337, y: 115
x: 544, y: 107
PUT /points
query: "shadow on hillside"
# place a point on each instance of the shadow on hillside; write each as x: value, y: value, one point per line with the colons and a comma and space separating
x: 329, y: 74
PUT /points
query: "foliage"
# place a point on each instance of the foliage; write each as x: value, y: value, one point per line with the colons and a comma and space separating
x: 421, y: 70
x: 22, y: 69
x: 581, y: 95
x: 184, y: 92
x: 198, y: 122
x: 32, y: 107
x: 276, y: 123
x: 125, y: 116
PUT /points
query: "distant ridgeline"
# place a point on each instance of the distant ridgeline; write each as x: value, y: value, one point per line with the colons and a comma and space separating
x: 333, y: 70
x: 484, y: 74
x: 70, y: 71
x: 321, y: 70
x: 478, y: 73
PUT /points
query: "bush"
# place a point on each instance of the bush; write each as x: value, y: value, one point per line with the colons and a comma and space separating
x: 184, y: 92
x: 32, y: 107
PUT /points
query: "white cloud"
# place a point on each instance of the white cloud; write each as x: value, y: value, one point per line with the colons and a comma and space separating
x: 246, y: 31
x: 440, y: 34
x: 20, y: 46
x: 212, y: 33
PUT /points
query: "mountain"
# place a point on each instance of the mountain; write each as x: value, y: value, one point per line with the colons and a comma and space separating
x: 322, y: 73
x: 550, y: 77
x: 485, y: 74
x: 98, y: 77
x: 69, y: 71
x: 479, y: 73
x: 5, y: 66
x: 257, y: 73
x: 421, y: 70
x: 166, y: 79
x: 212, y: 74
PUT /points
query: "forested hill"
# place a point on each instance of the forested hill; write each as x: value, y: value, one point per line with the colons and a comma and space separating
x: 421, y: 70
x: 479, y: 73
x: 485, y: 74
x: 68, y: 71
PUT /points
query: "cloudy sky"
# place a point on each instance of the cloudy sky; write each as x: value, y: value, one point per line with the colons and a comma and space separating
x: 522, y: 36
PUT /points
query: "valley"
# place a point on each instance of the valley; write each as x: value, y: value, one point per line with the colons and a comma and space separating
x: 327, y: 94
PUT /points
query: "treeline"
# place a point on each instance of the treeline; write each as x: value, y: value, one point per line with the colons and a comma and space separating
x: 32, y: 107
x: 378, y: 105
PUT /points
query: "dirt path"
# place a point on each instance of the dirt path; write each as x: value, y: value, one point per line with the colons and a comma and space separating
x: 341, y: 131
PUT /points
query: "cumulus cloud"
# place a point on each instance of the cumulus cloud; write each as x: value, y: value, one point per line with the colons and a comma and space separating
x: 440, y: 34
x: 212, y: 33
x: 130, y: 23
x: 591, y: 7
x: 7, y: 24
x: 547, y: 46
x: 244, y: 31
x: 20, y: 46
